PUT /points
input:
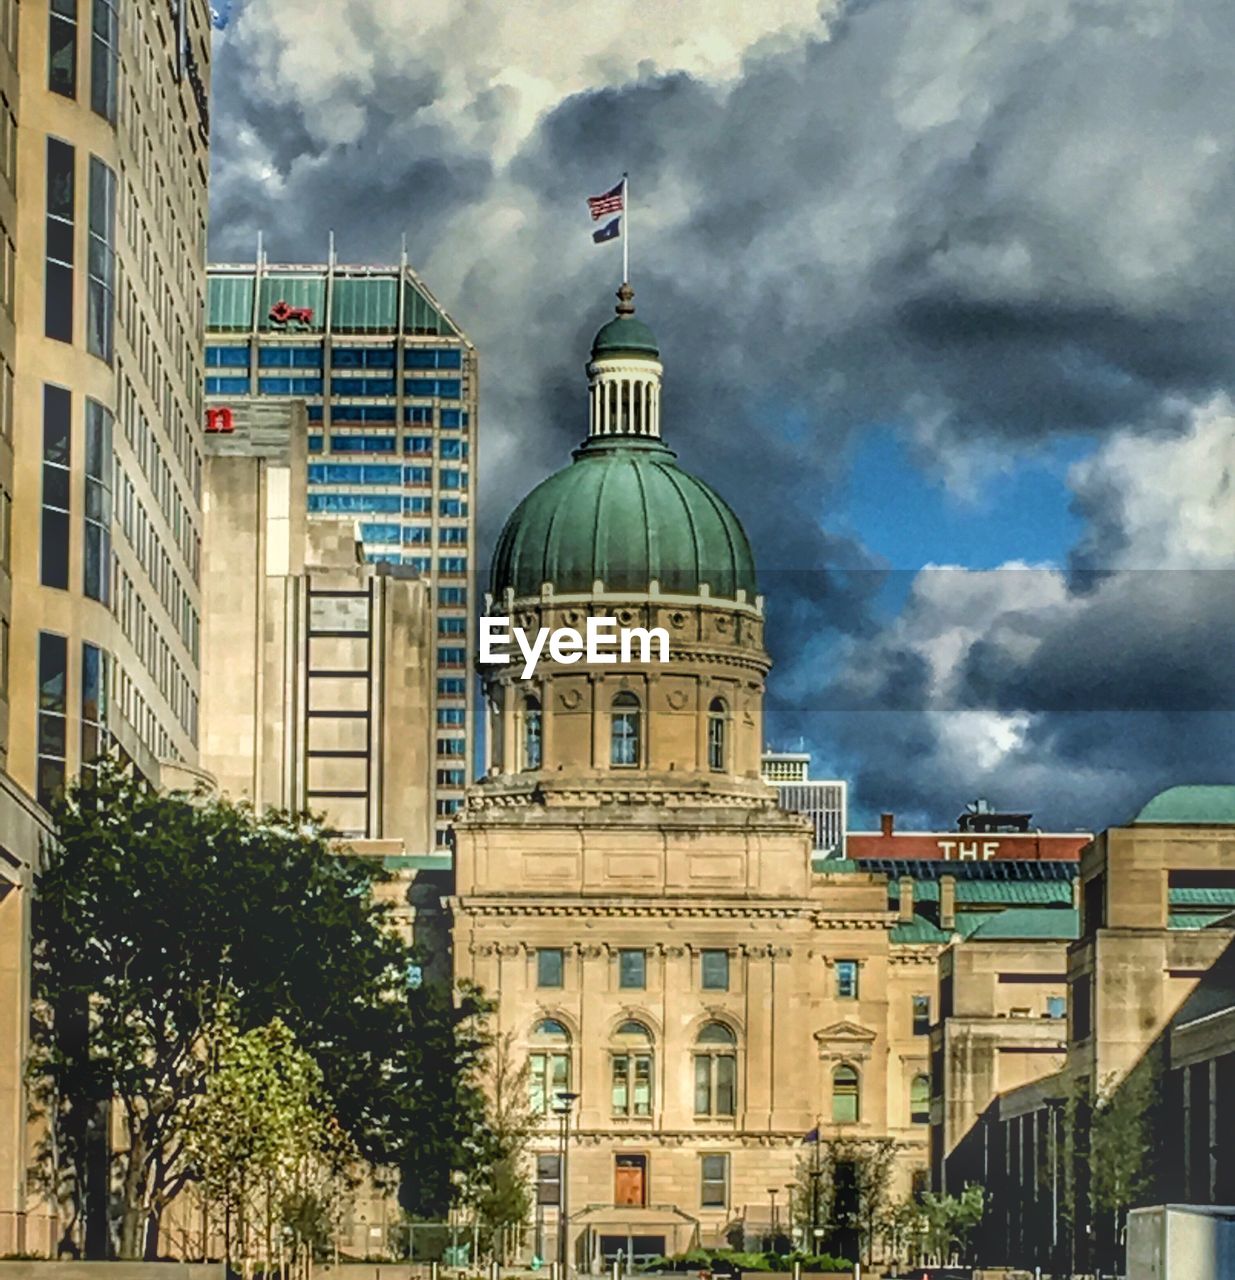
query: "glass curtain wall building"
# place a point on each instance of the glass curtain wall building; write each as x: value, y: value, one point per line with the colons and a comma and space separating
x: 390, y: 382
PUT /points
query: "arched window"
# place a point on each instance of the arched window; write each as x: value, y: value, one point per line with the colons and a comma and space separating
x: 846, y: 1103
x: 549, y: 1064
x: 531, y: 733
x: 631, y: 1056
x: 624, y: 732
x: 717, y: 729
x: 716, y: 1071
x: 920, y: 1100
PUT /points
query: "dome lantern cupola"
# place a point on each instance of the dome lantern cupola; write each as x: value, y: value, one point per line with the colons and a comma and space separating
x: 624, y: 376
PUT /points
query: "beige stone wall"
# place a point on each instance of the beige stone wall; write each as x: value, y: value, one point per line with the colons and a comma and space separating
x: 319, y: 685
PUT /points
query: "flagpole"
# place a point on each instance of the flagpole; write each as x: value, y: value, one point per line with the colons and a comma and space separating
x: 626, y: 229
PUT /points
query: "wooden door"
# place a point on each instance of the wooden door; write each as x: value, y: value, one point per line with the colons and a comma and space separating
x: 630, y: 1181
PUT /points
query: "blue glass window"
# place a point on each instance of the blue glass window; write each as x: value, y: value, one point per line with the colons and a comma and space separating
x: 352, y: 473
x: 419, y: 414
x: 418, y: 475
x: 454, y: 418
x: 382, y: 557
x: 418, y: 444
x: 362, y: 444
x: 280, y: 357
x: 363, y: 386
x: 451, y: 687
x: 418, y: 506
x: 449, y: 478
x: 422, y: 564
x: 452, y: 564
x: 315, y: 412
x: 384, y: 413
x: 235, y: 357
x: 359, y: 502
x: 227, y: 386
x: 451, y: 715
x: 452, y: 595
x: 290, y: 386
x: 379, y: 532
x: 433, y: 358
x: 444, y: 388
x: 456, y: 536
x: 451, y: 777
x: 452, y: 507
x: 315, y: 444
x: 418, y: 533
x: 363, y: 357
x: 452, y: 626
x: 449, y: 657
x: 455, y: 449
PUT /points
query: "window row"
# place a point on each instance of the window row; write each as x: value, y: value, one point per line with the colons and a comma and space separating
x: 627, y: 747
x: 51, y: 765
x: 632, y: 968
x: 377, y: 473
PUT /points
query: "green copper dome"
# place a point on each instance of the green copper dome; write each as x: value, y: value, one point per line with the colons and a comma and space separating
x: 1206, y: 806
x: 625, y: 514
x: 625, y: 336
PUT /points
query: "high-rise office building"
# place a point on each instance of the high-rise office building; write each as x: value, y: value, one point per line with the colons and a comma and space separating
x: 823, y: 801
x: 104, y: 132
x: 390, y: 383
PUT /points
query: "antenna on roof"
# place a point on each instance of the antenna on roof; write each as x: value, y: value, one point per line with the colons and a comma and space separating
x: 261, y: 253
x: 331, y: 258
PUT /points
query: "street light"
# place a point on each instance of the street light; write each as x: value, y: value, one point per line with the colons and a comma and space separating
x: 772, y: 1236
x: 563, y: 1104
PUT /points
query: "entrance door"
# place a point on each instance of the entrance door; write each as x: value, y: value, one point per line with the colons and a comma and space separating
x: 630, y: 1177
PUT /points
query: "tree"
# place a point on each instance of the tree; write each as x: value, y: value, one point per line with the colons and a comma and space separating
x: 1121, y: 1147
x: 498, y: 1185
x: 262, y: 1138
x: 950, y: 1220
x: 865, y: 1165
x: 148, y: 909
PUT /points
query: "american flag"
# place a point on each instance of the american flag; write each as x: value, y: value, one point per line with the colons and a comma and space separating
x: 611, y: 202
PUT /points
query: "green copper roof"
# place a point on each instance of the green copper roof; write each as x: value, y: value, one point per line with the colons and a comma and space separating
x: 1022, y: 922
x: 625, y: 336
x: 920, y: 929
x: 624, y: 514
x: 1190, y: 806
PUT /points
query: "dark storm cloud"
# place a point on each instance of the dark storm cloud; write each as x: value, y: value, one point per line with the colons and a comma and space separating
x: 983, y: 225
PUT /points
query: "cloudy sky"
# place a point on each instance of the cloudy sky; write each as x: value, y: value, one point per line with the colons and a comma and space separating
x: 946, y: 295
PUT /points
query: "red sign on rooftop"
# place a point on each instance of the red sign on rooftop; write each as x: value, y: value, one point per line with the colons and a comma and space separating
x: 284, y: 313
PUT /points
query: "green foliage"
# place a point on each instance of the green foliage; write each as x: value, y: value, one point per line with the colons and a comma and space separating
x: 497, y: 1183
x: 262, y: 1138
x: 1121, y: 1141
x: 815, y: 1185
x: 148, y: 909
x: 949, y: 1220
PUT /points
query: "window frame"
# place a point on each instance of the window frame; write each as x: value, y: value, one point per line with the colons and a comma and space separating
x: 625, y: 730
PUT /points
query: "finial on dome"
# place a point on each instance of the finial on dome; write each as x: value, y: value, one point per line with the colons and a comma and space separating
x: 626, y: 300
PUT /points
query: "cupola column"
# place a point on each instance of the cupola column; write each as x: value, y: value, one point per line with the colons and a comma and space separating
x: 624, y: 377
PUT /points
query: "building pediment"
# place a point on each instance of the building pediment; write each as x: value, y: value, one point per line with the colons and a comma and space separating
x: 845, y: 1040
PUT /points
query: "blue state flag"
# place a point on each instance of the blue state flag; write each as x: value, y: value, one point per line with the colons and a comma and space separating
x: 812, y: 1136
x: 610, y: 231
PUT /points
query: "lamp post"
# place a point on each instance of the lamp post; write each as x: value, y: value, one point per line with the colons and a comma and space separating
x: 772, y: 1234
x: 563, y: 1104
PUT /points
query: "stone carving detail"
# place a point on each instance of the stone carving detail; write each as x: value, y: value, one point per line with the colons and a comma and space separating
x: 676, y: 698
x: 508, y: 950
x: 484, y: 949
x: 570, y: 698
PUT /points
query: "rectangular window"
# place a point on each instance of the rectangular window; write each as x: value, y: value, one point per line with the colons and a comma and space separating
x: 228, y: 357
x: 99, y: 464
x: 451, y: 686
x: 94, y: 673
x: 455, y: 449
x: 421, y: 445
x: 451, y: 717
x: 1082, y: 1009
x: 451, y: 564
x: 58, y: 278
x: 632, y: 970
x: 285, y: 357
x: 455, y: 535
x: 715, y: 1084
x: 1056, y: 1007
x: 921, y: 1015
x: 218, y: 386
x: 846, y: 979
x: 452, y: 595
x: 53, y: 715
x: 714, y: 1182
x: 57, y: 424
x: 550, y: 966
x: 104, y: 59
x: 714, y: 970
x: 62, y: 48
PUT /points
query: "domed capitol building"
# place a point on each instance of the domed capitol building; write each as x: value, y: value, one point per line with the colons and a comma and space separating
x: 692, y: 995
